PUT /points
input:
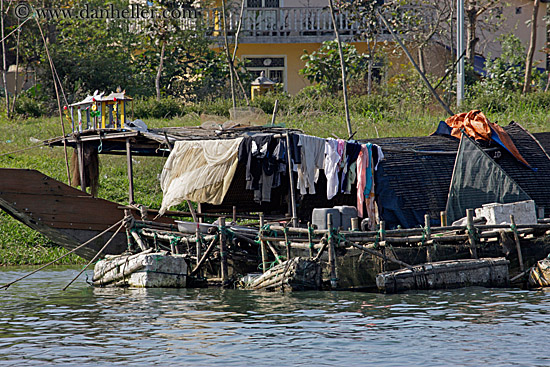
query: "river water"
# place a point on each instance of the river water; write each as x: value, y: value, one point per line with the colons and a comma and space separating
x: 42, y: 325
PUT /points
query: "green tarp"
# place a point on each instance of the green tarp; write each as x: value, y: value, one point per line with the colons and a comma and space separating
x: 477, y: 180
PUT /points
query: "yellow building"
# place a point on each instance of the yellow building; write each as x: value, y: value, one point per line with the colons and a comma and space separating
x: 275, y: 33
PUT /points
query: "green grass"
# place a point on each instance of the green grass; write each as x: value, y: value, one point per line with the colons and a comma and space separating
x: 371, y: 116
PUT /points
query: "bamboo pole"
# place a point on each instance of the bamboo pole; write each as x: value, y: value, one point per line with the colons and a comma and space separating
x: 518, y: 244
x: 58, y: 100
x: 198, y: 244
x: 342, y: 67
x: 310, y: 239
x: 275, y: 109
x: 427, y: 227
x: 80, y: 156
x: 223, y: 255
x: 262, y: 245
x: 443, y: 216
x: 274, y: 252
x: 471, y: 231
x: 204, y: 256
x: 287, y: 244
x: 322, y: 249
x: 130, y: 171
x: 355, y: 224
x: 331, y: 254
x: 291, y: 180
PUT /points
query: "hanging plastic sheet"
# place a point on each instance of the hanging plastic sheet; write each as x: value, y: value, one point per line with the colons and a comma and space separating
x: 477, y: 179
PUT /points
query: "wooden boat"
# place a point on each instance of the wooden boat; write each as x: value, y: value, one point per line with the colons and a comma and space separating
x: 487, y: 272
x: 67, y: 216
x: 70, y: 217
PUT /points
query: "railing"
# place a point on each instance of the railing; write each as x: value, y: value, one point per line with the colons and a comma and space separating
x: 283, y: 22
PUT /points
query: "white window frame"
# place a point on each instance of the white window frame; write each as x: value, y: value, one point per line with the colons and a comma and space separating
x: 266, y: 68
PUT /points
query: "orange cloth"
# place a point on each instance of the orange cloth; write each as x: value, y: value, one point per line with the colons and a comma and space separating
x: 474, y: 123
x: 478, y: 127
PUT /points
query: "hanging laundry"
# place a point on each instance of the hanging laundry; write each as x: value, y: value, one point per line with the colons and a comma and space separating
x: 377, y: 157
x: 369, y: 188
x: 198, y: 170
x: 295, y: 149
x: 362, y: 166
x: 332, y: 166
x: 312, y: 160
x: 263, y: 156
x: 350, y: 166
x: 351, y: 177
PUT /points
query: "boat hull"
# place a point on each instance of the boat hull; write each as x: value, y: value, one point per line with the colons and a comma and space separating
x: 67, y: 216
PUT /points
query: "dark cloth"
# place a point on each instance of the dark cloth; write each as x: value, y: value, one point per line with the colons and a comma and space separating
x: 295, y: 149
x: 261, y: 153
x: 352, y: 153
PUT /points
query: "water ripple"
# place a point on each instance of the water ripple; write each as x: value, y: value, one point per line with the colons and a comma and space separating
x: 41, y: 325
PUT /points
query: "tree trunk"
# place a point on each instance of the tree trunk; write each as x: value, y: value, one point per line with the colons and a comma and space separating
x: 159, y: 70
x: 4, y: 62
x: 471, y: 39
x: 369, y: 77
x: 343, y: 67
x: 228, y: 55
x: 421, y: 60
x: 531, y: 51
x: 16, y: 71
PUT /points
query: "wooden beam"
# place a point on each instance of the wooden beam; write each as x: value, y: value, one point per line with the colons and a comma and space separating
x: 130, y: 171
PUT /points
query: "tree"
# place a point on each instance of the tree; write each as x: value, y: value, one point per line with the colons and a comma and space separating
x: 473, y: 10
x: 323, y: 66
x: 531, y: 50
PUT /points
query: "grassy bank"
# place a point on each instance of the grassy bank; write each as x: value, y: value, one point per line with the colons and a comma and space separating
x: 371, y: 116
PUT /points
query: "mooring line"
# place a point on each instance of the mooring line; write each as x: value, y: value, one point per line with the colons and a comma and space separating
x: 96, y: 256
x: 7, y: 285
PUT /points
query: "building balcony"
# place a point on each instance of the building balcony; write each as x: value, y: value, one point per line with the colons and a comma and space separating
x: 280, y: 25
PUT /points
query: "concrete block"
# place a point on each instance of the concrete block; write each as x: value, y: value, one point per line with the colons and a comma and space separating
x: 524, y: 212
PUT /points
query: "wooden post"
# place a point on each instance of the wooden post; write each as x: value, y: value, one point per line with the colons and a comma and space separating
x: 382, y: 231
x: 199, y: 210
x: 518, y: 245
x: 262, y: 244
x: 310, y: 239
x: 223, y: 255
x: 287, y: 244
x: 427, y: 227
x: 275, y: 108
x: 234, y: 214
x: 130, y: 171
x: 80, y: 153
x: 331, y: 254
x: 291, y: 178
x: 471, y: 230
x: 443, y: 216
x: 198, y: 246
x: 355, y: 224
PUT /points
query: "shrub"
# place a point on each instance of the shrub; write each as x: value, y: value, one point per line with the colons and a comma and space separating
x: 167, y: 107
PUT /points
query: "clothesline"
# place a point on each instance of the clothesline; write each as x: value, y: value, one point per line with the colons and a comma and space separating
x: 202, y: 170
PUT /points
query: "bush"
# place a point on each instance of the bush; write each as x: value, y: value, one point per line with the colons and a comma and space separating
x: 29, y: 106
x: 167, y: 107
